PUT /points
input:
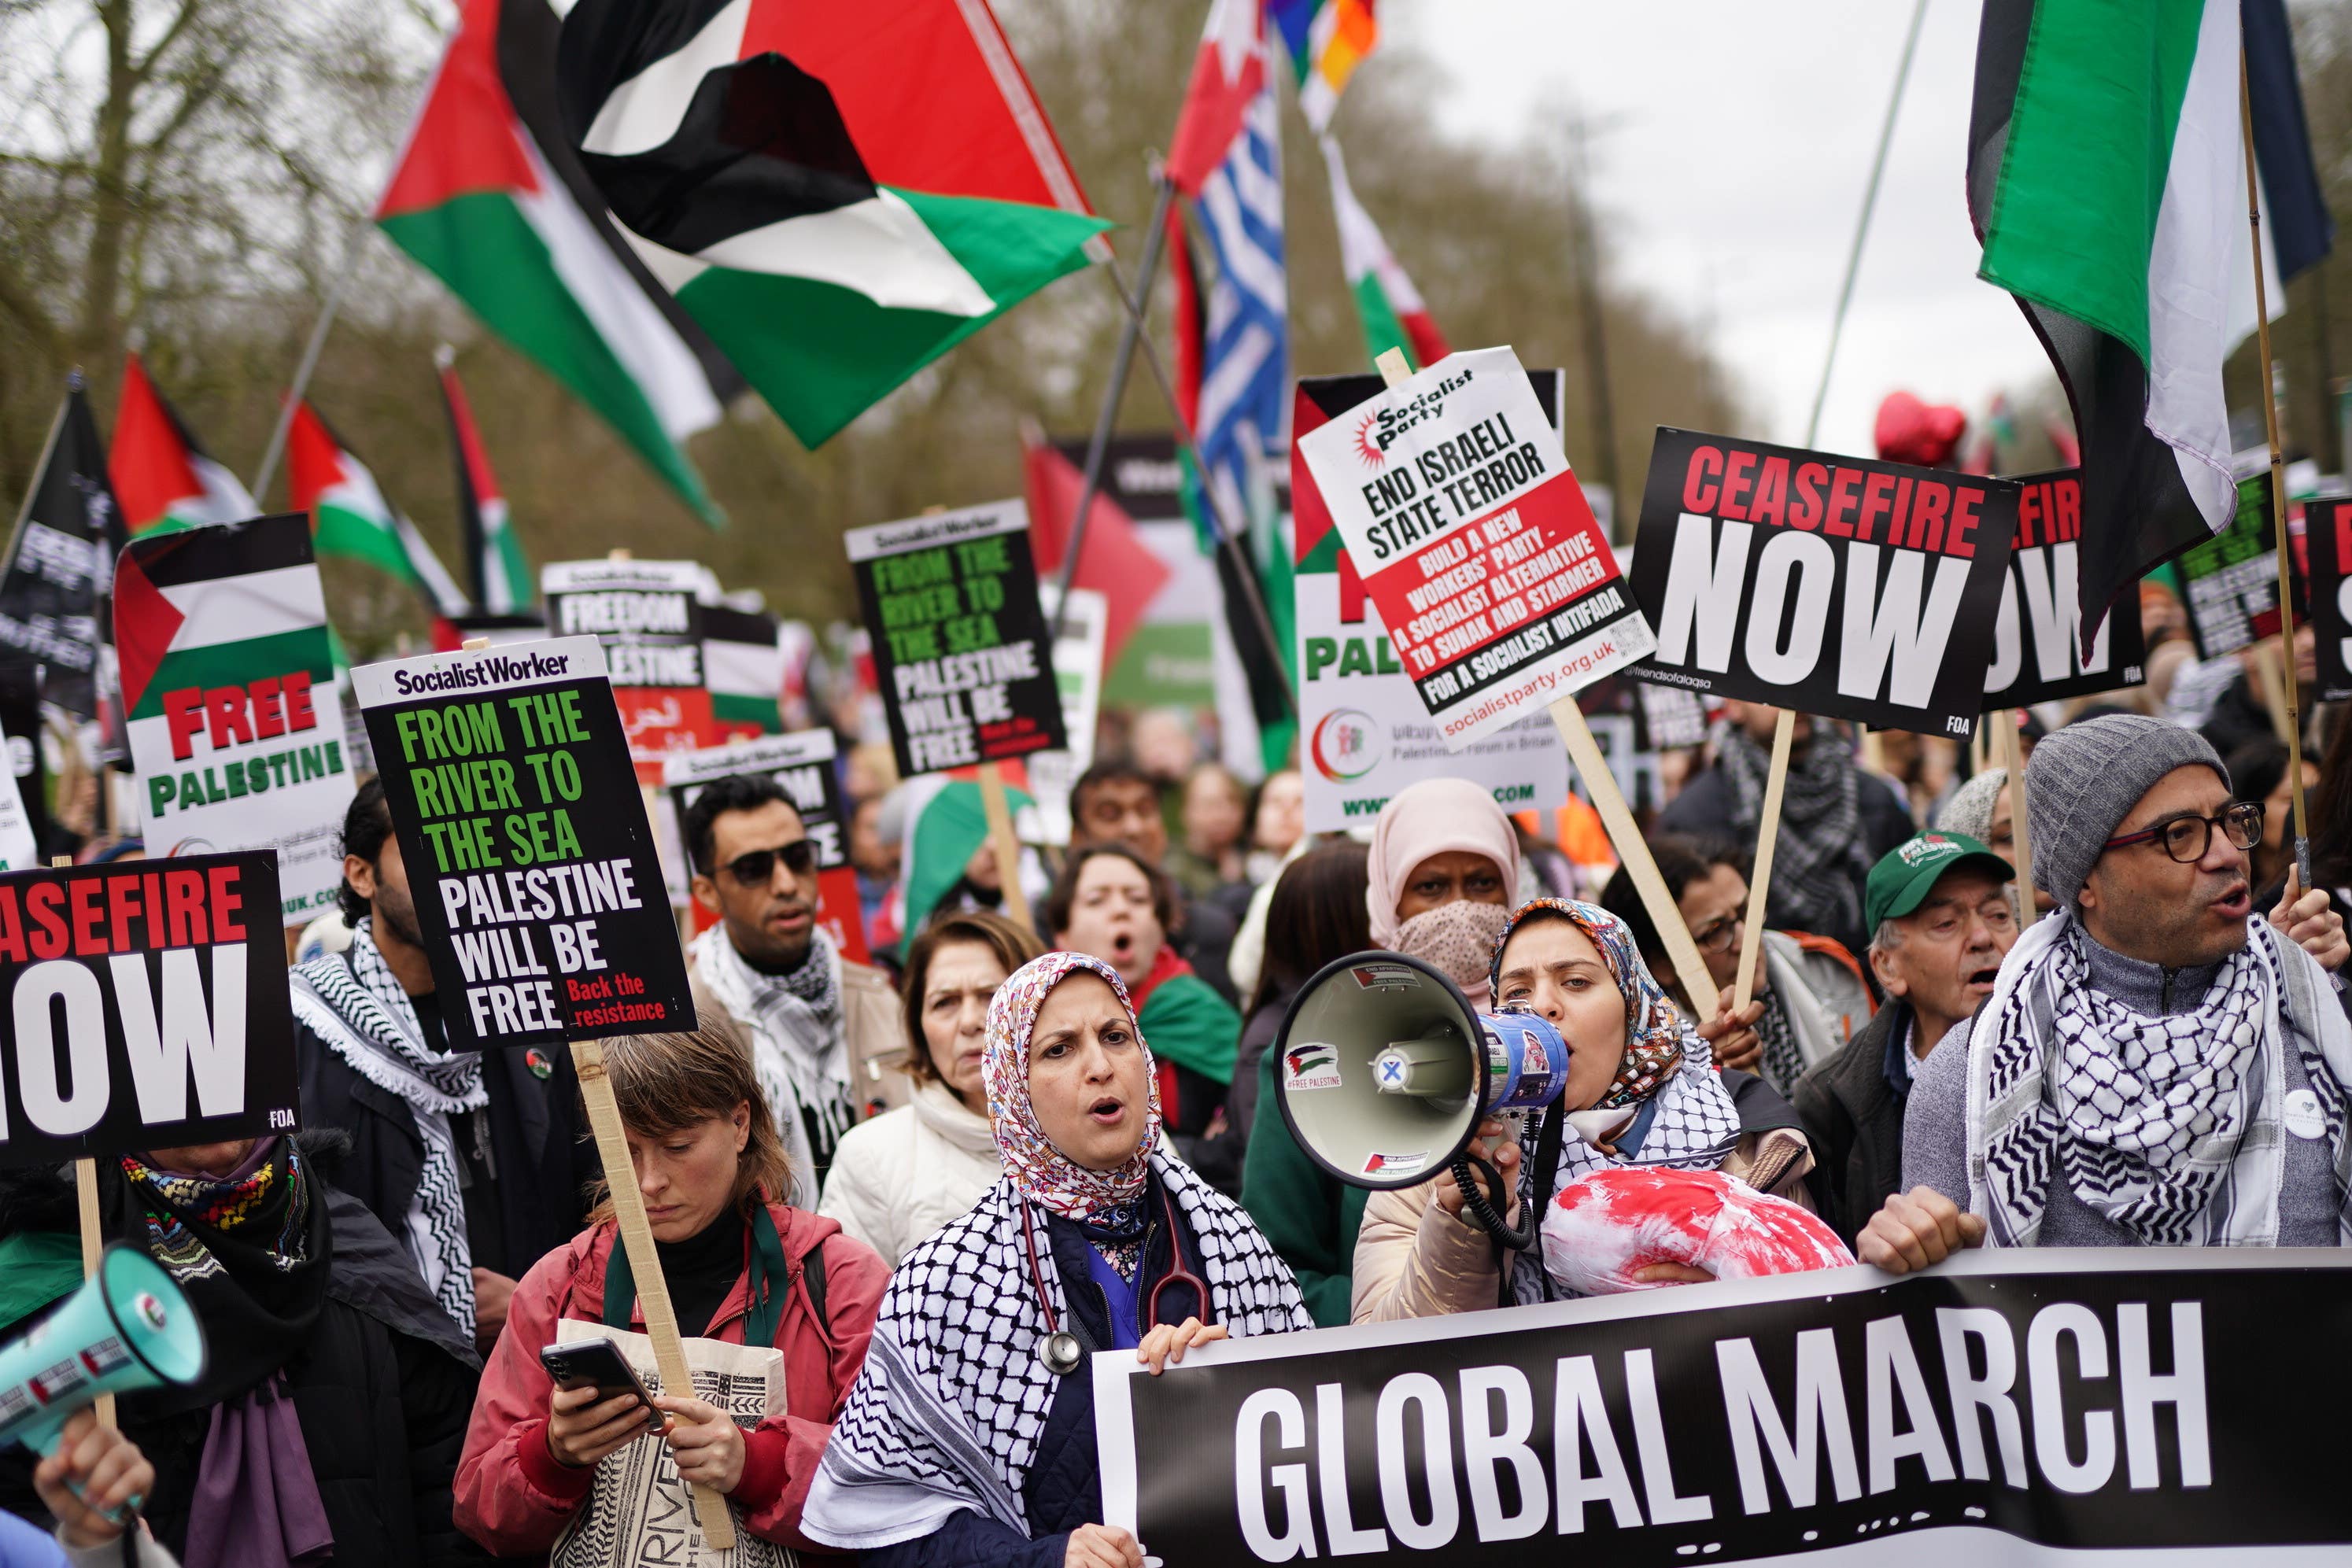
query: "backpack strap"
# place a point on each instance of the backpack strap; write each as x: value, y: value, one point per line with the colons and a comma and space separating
x: 812, y: 1280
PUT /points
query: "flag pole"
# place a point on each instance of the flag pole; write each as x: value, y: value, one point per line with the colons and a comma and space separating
x: 309, y: 361
x: 2278, y: 479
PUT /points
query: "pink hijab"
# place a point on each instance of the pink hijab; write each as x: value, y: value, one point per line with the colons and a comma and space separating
x: 1433, y: 818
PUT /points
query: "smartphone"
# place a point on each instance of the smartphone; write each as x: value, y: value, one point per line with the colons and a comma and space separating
x: 598, y: 1364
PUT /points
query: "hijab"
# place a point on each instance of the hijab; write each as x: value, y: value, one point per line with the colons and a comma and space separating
x: 1038, y: 1170
x: 1653, y: 1029
x: 1434, y: 817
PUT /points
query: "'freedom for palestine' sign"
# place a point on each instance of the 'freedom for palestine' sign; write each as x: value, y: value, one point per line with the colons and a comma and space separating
x: 531, y: 862
x: 960, y: 646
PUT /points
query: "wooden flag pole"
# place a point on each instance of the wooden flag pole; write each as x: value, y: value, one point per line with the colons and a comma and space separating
x: 1007, y: 847
x: 644, y: 1263
x: 2005, y: 746
x: 2278, y: 478
x: 1768, y: 834
x: 93, y: 1234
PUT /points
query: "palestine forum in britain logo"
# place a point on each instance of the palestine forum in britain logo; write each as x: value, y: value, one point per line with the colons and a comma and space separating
x: 1343, y: 746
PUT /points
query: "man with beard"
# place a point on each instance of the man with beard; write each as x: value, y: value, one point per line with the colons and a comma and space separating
x: 768, y: 966
x: 478, y: 1162
x: 2152, y: 1068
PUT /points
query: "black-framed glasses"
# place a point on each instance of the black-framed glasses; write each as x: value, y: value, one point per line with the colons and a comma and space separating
x: 1719, y: 935
x: 2186, y: 839
x: 755, y: 870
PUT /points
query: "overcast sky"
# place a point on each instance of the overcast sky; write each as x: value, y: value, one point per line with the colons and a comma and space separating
x: 1732, y: 173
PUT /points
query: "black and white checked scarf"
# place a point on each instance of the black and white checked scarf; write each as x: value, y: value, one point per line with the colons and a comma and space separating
x: 354, y: 1004
x: 1818, y: 860
x: 1696, y: 1129
x: 948, y: 1413
x: 798, y: 1046
x: 1784, y: 1060
x: 2172, y: 1127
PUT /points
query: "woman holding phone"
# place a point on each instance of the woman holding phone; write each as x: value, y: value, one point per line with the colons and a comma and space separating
x: 743, y: 1270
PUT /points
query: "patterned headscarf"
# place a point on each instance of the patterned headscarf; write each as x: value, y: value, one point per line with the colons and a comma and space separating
x: 1036, y: 1167
x: 1653, y: 1029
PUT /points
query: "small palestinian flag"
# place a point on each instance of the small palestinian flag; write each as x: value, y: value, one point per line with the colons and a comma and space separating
x: 495, y: 561
x: 743, y: 665
x: 840, y: 193
x: 350, y: 520
x: 211, y: 613
x: 164, y: 479
x: 1390, y: 306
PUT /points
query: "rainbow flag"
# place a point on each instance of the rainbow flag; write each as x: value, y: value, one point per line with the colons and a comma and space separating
x: 1327, y: 40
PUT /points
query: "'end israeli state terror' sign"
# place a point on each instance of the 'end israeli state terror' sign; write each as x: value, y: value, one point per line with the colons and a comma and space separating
x: 1829, y: 584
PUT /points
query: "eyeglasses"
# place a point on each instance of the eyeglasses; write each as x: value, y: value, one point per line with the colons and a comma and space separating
x: 1717, y: 936
x: 2186, y: 839
x: 755, y: 868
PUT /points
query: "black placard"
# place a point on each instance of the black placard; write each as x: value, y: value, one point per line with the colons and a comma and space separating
x: 2037, y: 653
x: 54, y: 585
x: 959, y: 643
x: 531, y: 861
x: 2327, y: 536
x: 2230, y: 582
x: 1829, y: 584
x: 2062, y: 1398
x: 147, y: 1008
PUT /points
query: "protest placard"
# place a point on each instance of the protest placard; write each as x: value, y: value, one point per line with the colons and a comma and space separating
x: 53, y: 585
x: 2008, y: 1408
x: 1821, y: 583
x: 1498, y: 592
x: 1364, y: 732
x: 648, y: 616
x: 1079, y: 640
x: 2037, y: 653
x: 2230, y: 582
x: 229, y: 687
x: 147, y: 1006
x: 959, y: 641
x: 802, y: 767
x: 745, y: 663
x: 2328, y: 534
x: 453, y: 632
x: 530, y: 857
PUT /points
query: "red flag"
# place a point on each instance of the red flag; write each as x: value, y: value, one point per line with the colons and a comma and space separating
x: 1115, y: 562
x: 1190, y: 327
x: 1226, y: 75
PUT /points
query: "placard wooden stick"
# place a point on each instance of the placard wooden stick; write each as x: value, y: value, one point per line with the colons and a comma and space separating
x: 93, y: 1236
x: 1768, y: 834
x: 1007, y: 847
x: 644, y: 1263
x: 2005, y: 722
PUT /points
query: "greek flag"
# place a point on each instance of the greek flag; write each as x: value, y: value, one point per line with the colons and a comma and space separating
x: 1246, y: 358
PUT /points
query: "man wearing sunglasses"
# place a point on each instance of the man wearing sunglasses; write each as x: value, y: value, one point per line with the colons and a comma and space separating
x: 2154, y: 1067
x: 768, y: 966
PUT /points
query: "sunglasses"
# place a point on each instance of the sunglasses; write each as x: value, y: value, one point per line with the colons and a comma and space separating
x: 756, y: 869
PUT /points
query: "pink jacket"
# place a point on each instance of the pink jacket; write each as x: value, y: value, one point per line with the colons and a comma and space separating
x: 512, y: 1495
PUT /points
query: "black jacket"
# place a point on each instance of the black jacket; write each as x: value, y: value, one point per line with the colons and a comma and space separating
x: 540, y: 1143
x: 383, y: 1387
x: 1854, y: 1118
x: 1707, y: 804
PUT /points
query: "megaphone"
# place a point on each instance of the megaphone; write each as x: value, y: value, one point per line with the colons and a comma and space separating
x: 128, y: 1327
x: 1383, y: 1070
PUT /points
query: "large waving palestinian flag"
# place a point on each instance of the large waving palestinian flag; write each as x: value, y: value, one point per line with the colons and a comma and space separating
x: 488, y: 196
x: 839, y: 193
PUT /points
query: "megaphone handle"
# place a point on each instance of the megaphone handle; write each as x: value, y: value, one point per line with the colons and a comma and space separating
x: 1474, y: 1199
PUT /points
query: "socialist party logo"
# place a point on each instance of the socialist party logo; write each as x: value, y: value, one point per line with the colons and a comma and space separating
x: 1368, y: 448
x: 1344, y: 746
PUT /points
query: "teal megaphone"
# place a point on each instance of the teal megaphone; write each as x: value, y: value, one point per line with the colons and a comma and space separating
x: 127, y: 1328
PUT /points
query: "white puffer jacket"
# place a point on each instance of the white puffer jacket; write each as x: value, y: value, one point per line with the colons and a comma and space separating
x: 899, y: 1177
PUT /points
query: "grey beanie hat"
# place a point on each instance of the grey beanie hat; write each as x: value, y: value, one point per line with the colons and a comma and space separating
x: 2083, y: 780
x: 1969, y: 810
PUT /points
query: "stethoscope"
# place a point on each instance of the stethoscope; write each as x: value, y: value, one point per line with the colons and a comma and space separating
x: 1062, y: 1351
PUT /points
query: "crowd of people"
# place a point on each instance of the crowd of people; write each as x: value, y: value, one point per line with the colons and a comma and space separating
x: 2139, y: 1037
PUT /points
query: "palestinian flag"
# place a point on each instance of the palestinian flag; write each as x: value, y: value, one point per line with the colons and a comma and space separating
x: 164, y: 479
x: 1391, y: 307
x: 350, y: 518
x: 495, y: 561
x: 2107, y: 180
x: 743, y: 665
x: 839, y: 193
x: 488, y: 196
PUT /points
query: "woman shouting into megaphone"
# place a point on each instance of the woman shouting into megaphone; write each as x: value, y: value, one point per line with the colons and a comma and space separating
x: 1654, y: 1168
x: 969, y: 1435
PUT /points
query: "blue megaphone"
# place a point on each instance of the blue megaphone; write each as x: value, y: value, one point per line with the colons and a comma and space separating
x: 127, y: 1328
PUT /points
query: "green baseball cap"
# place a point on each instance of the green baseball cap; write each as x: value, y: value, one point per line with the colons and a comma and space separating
x: 1907, y: 873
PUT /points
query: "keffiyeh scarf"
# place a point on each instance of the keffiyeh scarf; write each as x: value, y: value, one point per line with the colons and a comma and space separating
x: 800, y: 1050
x: 1695, y: 1125
x: 948, y: 1411
x: 1818, y: 860
x: 354, y: 1004
x: 2171, y: 1126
